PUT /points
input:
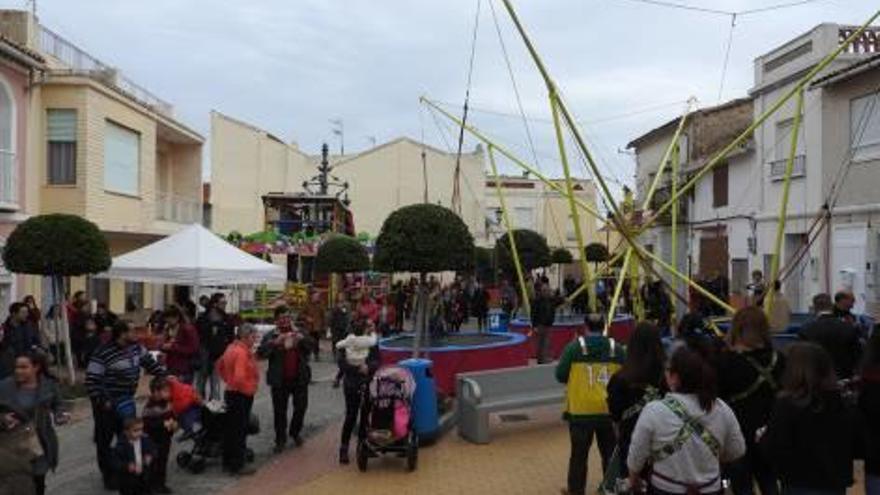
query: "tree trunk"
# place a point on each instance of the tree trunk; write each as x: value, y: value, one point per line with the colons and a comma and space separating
x: 421, y: 316
x: 62, y: 321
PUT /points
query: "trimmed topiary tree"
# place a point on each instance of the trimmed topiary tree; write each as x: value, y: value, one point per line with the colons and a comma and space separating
x: 423, y: 238
x: 342, y: 254
x: 595, y: 253
x: 561, y: 256
x: 57, y: 246
x: 531, y: 247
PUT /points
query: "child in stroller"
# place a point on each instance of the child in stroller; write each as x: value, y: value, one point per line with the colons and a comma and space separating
x: 387, y: 417
x: 208, y: 441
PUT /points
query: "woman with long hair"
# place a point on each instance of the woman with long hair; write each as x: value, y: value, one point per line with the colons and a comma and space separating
x: 688, y: 434
x: 812, y: 433
x: 637, y: 383
x: 749, y: 374
x: 34, y: 393
x: 869, y: 405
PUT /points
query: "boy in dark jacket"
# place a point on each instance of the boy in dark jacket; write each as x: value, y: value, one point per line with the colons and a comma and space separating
x: 134, y: 454
x: 159, y: 424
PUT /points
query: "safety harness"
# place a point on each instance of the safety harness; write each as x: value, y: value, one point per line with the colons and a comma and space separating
x: 691, y: 427
x: 651, y: 394
x: 765, y: 376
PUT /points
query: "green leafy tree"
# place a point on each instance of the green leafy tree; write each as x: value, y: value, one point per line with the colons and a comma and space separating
x: 531, y: 247
x: 342, y: 254
x: 423, y: 238
x: 595, y: 253
x: 561, y: 256
x: 57, y: 246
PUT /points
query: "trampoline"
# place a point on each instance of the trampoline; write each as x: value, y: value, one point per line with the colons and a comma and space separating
x: 564, y: 330
x: 460, y: 353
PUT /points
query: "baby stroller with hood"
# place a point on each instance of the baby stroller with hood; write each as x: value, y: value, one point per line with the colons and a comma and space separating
x: 386, y: 418
x: 207, y: 443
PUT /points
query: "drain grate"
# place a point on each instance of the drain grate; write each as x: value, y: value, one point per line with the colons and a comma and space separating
x: 513, y: 418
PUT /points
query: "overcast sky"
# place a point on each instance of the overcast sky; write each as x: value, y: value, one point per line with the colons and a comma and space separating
x: 289, y: 66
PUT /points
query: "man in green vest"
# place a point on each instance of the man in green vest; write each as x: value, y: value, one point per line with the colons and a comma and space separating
x: 586, y: 365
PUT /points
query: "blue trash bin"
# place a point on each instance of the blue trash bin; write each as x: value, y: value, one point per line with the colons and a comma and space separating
x: 425, y: 416
x: 498, y: 320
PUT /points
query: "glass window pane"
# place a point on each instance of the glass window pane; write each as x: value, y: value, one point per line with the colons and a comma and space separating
x: 61, y: 125
x: 6, y: 117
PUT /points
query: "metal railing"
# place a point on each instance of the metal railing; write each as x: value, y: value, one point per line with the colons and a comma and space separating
x: 178, y: 209
x: 8, y: 181
x: 868, y: 42
x: 80, y: 62
x: 777, y: 167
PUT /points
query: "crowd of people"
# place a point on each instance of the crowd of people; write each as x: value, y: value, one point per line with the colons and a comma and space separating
x: 699, y: 412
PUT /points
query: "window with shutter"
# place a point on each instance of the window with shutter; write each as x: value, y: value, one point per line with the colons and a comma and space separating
x: 61, y: 153
x: 719, y: 186
x: 121, y: 159
x: 864, y: 127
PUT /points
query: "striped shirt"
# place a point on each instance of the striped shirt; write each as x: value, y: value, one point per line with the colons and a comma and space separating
x: 113, y: 371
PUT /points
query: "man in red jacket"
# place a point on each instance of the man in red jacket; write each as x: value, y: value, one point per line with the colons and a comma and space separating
x: 237, y: 367
x: 181, y: 345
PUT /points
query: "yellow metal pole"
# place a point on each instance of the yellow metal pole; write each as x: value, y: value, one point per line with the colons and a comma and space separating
x: 510, y: 237
x: 618, y: 287
x: 673, y: 145
x: 674, y: 227
x: 721, y: 155
x: 589, y: 209
x: 783, y: 204
x: 569, y: 186
x: 513, y: 158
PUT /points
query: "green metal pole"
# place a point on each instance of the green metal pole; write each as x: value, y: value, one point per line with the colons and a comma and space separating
x: 573, y: 210
x: 618, y: 287
x: 510, y: 237
x: 798, y: 87
x: 783, y: 204
x: 674, y: 228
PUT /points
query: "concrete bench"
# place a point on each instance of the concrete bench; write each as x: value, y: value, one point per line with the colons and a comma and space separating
x: 485, y: 392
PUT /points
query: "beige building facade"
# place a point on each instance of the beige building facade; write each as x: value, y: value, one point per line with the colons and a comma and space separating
x: 102, y: 147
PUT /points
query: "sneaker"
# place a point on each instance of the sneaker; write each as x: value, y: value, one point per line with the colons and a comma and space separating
x: 279, y: 447
x: 297, y: 440
x: 343, y: 456
x: 244, y: 471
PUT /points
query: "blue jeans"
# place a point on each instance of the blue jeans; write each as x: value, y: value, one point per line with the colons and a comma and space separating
x: 872, y: 484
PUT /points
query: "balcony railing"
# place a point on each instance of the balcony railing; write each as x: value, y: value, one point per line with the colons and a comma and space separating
x: 868, y: 42
x: 178, y: 209
x: 80, y: 62
x: 777, y: 168
x: 8, y: 181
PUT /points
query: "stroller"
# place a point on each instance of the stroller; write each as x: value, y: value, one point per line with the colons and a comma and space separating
x: 207, y: 443
x: 386, y: 418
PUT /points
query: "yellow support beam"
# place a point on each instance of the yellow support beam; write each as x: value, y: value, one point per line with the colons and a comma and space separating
x: 573, y: 210
x: 783, y: 203
x: 510, y: 237
x: 739, y: 140
x: 618, y: 287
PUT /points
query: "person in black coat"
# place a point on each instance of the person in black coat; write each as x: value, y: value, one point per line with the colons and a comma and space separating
x: 813, y: 434
x: 869, y: 406
x: 18, y: 336
x: 480, y: 305
x: 355, y: 380
x: 749, y: 374
x: 543, y: 317
x: 638, y: 382
x: 216, y: 332
x: 839, y: 338
x: 133, y: 455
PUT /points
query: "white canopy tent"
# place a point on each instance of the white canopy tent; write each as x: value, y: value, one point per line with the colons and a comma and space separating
x: 196, y: 257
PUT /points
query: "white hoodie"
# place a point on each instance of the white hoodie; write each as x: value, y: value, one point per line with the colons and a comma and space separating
x: 357, y: 347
